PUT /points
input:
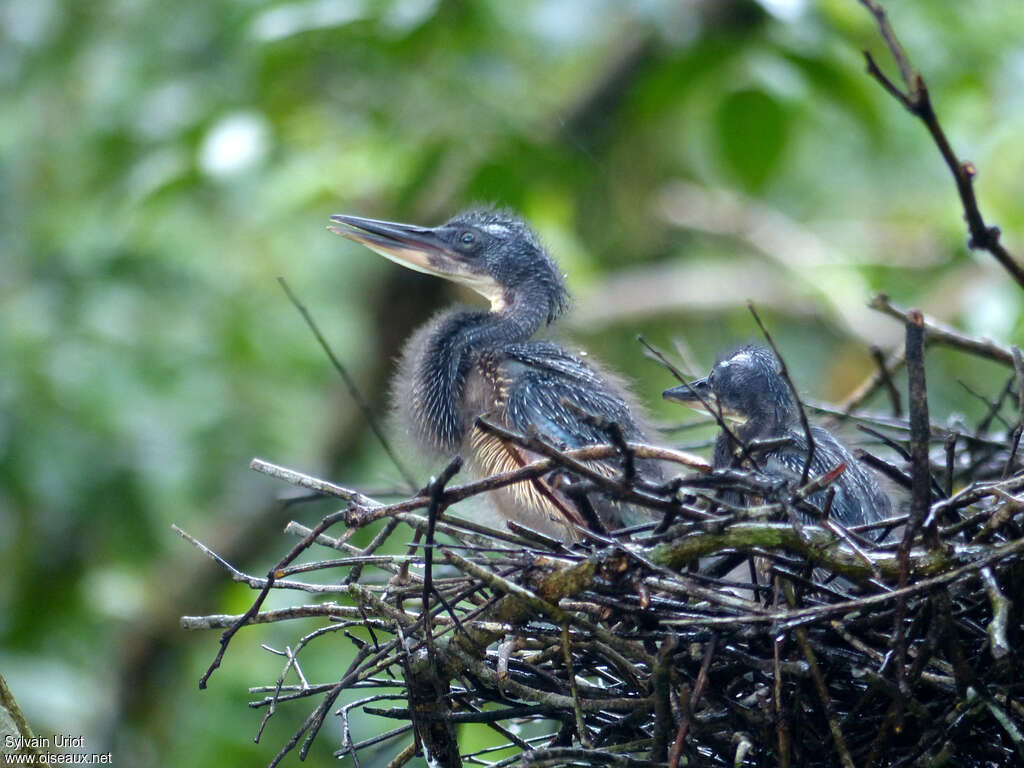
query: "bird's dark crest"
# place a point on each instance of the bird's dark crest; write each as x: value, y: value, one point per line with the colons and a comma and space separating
x: 749, y: 369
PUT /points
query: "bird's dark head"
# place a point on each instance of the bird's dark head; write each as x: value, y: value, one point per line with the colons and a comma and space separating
x: 493, y: 252
x: 746, y: 389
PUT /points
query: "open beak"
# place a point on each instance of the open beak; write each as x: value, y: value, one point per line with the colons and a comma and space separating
x: 417, y: 248
x: 421, y: 249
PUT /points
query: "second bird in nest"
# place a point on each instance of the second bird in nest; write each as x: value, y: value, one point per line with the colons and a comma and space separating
x: 747, y: 391
x: 465, y: 363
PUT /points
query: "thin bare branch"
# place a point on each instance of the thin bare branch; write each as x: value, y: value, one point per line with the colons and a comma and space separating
x: 915, y: 99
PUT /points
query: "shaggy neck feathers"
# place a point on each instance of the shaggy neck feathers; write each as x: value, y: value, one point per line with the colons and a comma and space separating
x: 451, y: 348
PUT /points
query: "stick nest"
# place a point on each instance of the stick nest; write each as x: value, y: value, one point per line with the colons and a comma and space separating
x: 720, y: 634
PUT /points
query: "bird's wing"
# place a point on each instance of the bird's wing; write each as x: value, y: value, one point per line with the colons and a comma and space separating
x: 858, y: 499
x: 547, y: 401
x: 546, y: 386
x: 546, y: 389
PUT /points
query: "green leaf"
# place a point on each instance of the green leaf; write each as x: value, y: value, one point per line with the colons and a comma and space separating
x: 751, y: 128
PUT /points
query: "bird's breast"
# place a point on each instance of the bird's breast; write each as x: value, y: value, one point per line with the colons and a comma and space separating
x: 486, y: 390
x: 533, y: 503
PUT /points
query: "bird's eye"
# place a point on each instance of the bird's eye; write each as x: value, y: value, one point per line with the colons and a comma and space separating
x: 467, y: 238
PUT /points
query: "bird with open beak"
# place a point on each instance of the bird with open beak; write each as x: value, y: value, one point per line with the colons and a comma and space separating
x: 467, y: 364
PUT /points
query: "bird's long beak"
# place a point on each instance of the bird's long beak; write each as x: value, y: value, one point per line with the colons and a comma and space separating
x: 694, y: 394
x: 701, y: 397
x: 421, y: 249
x: 417, y: 248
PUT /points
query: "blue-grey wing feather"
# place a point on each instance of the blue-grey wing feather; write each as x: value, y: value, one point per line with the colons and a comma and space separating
x: 543, y: 379
x: 540, y: 380
x: 858, y: 497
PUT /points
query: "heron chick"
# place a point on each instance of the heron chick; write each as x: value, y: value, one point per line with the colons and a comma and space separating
x: 466, y: 363
x: 747, y: 392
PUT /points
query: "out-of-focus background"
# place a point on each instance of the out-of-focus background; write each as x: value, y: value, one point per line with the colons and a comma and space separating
x: 162, y: 163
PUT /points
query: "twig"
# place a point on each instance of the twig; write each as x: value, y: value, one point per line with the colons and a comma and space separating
x: 920, y: 469
x: 569, y: 460
x: 698, y: 691
x: 10, y: 704
x: 376, y: 511
x: 950, y: 446
x: 297, y: 550
x: 998, y: 643
x: 920, y: 477
x: 581, y: 729
x: 865, y: 390
x: 916, y: 100
x: 350, y: 384
x: 1018, y: 367
x: 313, y: 483
x: 661, y: 684
x: 789, y: 619
x: 658, y: 355
x: 311, y: 726
x: 838, y: 740
x: 319, y: 610
x: 992, y: 406
x: 784, y: 373
x: 783, y: 736
x: 936, y: 332
x: 435, y: 490
x: 996, y: 405
x: 904, y: 453
x: 615, y: 436
x: 886, y: 378
x: 404, y: 756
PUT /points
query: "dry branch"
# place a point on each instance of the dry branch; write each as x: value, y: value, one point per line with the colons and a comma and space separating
x: 916, y: 99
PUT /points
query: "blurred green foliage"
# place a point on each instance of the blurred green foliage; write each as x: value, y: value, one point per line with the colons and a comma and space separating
x: 161, y: 163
